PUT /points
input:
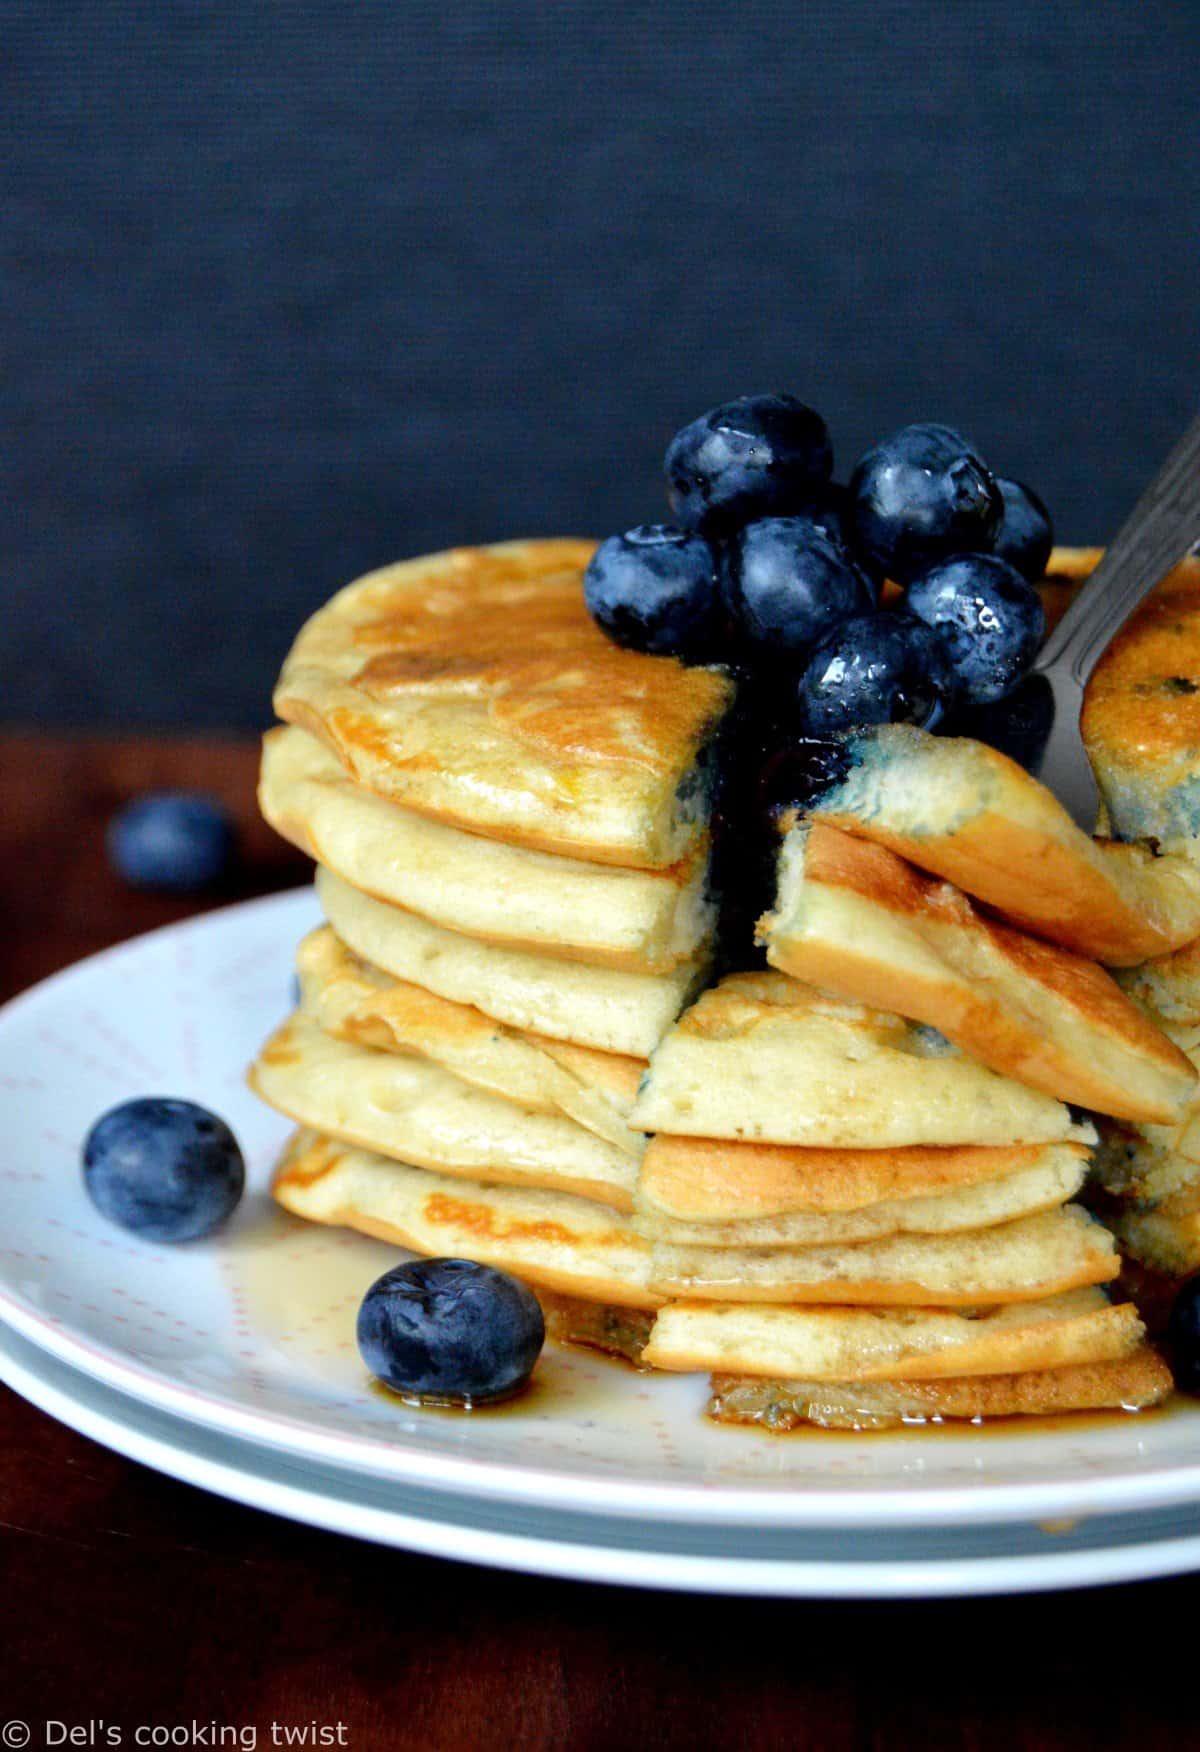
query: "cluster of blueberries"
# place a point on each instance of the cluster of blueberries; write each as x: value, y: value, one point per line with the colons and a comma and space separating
x: 772, y: 567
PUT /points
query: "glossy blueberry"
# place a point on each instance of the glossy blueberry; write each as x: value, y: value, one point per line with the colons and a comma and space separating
x: 798, y: 773
x: 1026, y: 534
x: 921, y: 496
x: 177, y: 841
x: 758, y: 456
x: 656, y: 589
x: 990, y: 621
x: 1183, y: 1336
x: 1019, y: 725
x: 875, y: 669
x: 789, y: 584
x: 450, y: 1329
x: 162, y: 1168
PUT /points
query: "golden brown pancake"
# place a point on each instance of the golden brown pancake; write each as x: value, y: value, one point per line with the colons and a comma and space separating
x: 416, y: 1112
x: 1141, y: 719
x: 1056, y: 1176
x: 624, y: 1014
x: 1132, y: 1383
x: 892, y: 1344
x: 474, y: 687
x: 1022, y: 1261
x: 714, y: 1180
x: 645, y: 921
x: 769, y: 1059
x: 354, y: 1001
x: 552, y: 1239
x: 856, y: 919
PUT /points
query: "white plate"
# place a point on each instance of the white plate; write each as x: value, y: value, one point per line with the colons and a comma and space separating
x: 251, y: 1333
x: 842, y: 1563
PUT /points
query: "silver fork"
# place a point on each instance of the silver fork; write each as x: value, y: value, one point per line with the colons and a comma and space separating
x: 1163, y: 525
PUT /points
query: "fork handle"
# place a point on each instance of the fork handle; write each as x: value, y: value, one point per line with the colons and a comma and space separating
x: 1159, y: 530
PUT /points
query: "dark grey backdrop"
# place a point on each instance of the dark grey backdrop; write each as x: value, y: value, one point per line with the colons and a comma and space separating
x: 293, y: 289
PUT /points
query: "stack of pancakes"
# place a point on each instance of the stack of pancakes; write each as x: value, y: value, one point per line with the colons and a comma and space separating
x: 843, y: 1186
x: 1142, y: 726
x: 509, y: 814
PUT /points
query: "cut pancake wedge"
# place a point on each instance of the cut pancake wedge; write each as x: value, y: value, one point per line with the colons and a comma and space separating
x: 963, y: 811
x: 1132, y: 1383
x: 570, y: 1245
x: 416, y: 1112
x: 1053, y: 1179
x: 1022, y: 1261
x: 600, y: 1007
x: 892, y: 1344
x: 474, y: 686
x: 770, y: 1059
x: 854, y: 918
x: 354, y: 1001
x: 645, y: 921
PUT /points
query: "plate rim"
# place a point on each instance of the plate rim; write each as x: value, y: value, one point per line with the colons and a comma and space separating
x: 104, y: 1415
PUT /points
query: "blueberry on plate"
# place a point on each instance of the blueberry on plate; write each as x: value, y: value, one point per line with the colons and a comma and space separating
x: 163, y: 1168
x: 875, y: 669
x: 757, y: 456
x: 449, y: 1329
x: 1026, y: 534
x: 1183, y: 1336
x: 788, y: 584
x: 178, y: 841
x: 655, y: 589
x: 990, y: 621
x: 920, y: 496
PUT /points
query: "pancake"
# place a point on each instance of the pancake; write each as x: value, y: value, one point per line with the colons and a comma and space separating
x: 1164, y: 1242
x: 615, y: 1013
x: 963, y: 811
x: 354, y: 1001
x: 854, y: 918
x: 416, y: 1112
x: 892, y: 1344
x: 1022, y: 1261
x: 645, y: 921
x: 713, y: 1181
x: 1132, y: 1383
x: 769, y: 1059
x: 1141, y: 718
x: 473, y: 686
x: 1153, y: 1162
x: 1053, y: 1179
x: 554, y: 1241
x: 1168, y: 986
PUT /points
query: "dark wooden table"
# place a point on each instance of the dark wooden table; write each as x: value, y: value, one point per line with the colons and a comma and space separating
x: 133, y: 1600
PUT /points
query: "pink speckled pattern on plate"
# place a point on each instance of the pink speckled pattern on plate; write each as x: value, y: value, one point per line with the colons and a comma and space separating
x: 251, y: 1332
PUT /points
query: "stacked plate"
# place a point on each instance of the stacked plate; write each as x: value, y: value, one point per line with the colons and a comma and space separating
x: 232, y: 1363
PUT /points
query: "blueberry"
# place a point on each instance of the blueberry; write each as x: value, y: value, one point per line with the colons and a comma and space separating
x: 875, y: 669
x: 177, y: 841
x: 789, y: 584
x: 163, y: 1168
x: 921, y: 496
x: 757, y: 456
x: 799, y: 772
x: 1026, y: 534
x: 1183, y: 1336
x: 655, y: 589
x: 989, y: 619
x: 1019, y: 725
x: 450, y: 1329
